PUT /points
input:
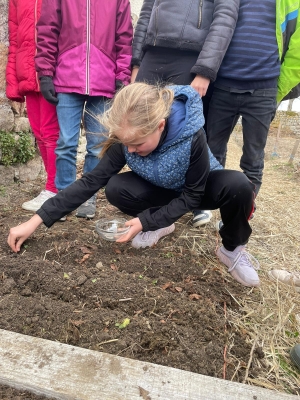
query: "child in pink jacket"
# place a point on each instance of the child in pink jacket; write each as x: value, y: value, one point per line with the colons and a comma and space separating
x: 22, y: 83
x: 83, y: 56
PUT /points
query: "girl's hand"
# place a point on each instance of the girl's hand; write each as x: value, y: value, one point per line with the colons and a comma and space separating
x: 135, y: 228
x: 200, y: 84
x: 20, y: 233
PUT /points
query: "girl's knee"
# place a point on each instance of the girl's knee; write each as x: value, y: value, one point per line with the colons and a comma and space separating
x: 241, y: 186
x: 113, y: 189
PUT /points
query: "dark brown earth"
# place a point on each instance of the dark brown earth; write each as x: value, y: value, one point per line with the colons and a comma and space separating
x: 68, y: 285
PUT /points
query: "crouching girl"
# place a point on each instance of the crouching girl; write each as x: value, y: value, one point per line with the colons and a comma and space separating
x: 158, y: 133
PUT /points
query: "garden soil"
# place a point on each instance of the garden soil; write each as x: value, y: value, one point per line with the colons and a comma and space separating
x: 165, y: 305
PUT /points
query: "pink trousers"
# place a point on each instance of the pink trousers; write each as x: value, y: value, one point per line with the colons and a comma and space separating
x: 43, y: 121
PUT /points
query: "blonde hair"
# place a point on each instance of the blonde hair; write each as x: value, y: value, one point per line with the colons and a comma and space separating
x: 136, y: 112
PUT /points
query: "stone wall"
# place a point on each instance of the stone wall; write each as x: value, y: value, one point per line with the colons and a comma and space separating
x: 6, y: 113
x: 289, y: 120
x: 135, y: 7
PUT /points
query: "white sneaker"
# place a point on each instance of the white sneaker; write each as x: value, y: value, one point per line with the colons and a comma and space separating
x: 201, y: 217
x: 36, y: 203
x: 288, y: 278
x: 241, y: 265
x: 150, y: 238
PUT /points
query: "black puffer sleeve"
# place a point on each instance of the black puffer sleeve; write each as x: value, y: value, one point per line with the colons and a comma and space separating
x: 218, y: 38
x: 141, y: 32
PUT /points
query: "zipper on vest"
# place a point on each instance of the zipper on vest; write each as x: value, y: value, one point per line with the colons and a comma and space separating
x: 155, y: 169
x: 200, y: 14
x: 35, y: 39
x: 156, y: 22
x: 88, y: 42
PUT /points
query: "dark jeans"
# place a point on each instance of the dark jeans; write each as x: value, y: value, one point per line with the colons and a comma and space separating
x: 228, y: 190
x: 257, y: 110
x: 171, y: 66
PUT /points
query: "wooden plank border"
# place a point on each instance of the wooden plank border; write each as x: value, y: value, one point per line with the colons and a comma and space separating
x: 66, y: 372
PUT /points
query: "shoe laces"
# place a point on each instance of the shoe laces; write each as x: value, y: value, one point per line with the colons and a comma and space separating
x: 145, y: 236
x: 89, y: 202
x: 245, y: 259
x: 43, y: 196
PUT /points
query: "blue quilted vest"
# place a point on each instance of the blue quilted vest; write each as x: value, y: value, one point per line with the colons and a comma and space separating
x: 167, y: 165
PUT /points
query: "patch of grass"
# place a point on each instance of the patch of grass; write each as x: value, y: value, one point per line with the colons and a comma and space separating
x: 2, y: 191
x: 16, y: 148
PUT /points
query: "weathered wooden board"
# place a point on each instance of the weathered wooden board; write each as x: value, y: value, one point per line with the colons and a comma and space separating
x: 67, y: 372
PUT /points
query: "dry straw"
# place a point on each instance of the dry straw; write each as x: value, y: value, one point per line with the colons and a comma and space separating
x: 270, y: 315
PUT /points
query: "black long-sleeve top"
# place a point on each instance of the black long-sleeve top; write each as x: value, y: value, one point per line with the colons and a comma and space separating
x: 112, y: 162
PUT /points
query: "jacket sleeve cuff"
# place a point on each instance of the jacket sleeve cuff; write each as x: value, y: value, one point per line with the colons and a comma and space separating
x: 45, y: 217
x: 45, y: 73
x: 135, y: 62
x: 144, y: 222
x: 203, y: 71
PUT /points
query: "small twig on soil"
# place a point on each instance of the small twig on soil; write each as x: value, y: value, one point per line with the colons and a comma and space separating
x: 129, y: 298
x: 107, y: 341
x: 47, y: 251
x: 250, y: 361
x: 233, y: 298
x: 65, y: 255
x: 236, y: 370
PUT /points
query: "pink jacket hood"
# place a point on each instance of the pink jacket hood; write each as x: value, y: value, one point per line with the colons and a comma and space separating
x: 85, y: 45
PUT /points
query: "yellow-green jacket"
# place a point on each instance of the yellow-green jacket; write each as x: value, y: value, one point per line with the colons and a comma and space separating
x: 288, y: 39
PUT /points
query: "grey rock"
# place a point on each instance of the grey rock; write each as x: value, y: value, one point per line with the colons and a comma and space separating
x: 81, y: 280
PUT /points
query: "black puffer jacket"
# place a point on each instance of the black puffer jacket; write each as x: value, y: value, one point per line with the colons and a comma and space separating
x: 205, y: 26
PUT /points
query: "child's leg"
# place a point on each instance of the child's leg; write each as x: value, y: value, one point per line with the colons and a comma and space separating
x: 233, y: 193
x: 69, y: 113
x: 132, y: 194
x: 44, y: 124
x: 49, y: 136
x: 34, y: 116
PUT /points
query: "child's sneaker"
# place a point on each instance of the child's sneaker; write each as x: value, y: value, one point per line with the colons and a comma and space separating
x: 150, y: 238
x: 87, y: 209
x: 241, y: 265
x: 36, y: 203
x: 288, y: 278
x: 201, y: 217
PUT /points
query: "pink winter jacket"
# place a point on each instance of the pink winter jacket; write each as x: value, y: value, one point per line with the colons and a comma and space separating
x: 21, y: 76
x: 85, y: 45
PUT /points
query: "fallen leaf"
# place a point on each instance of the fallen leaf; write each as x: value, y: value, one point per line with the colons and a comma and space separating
x: 114, y: 267
x: 178, y: 289
x: 77, y: 323
x: 123, y: 325
x: 66, y: 276
x: 195, y: 296
x: 85, y: 230
x: 85, y: 257
x: 85, y: 250
x: 166, y: 285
